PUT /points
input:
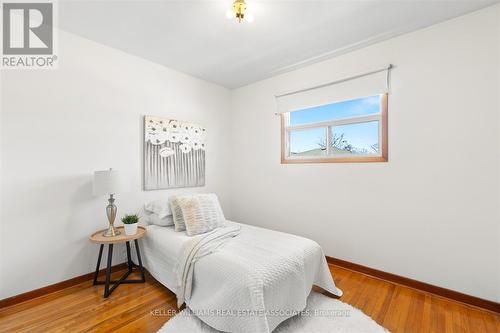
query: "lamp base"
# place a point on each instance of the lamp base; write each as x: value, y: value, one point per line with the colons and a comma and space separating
x: 111, y: 232
x: 111, y: 213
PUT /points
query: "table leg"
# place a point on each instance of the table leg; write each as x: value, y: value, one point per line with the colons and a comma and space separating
x: 143, y: 277
x: 98, y: 264
x: 110, y: 285
x: 108, y: 271
x: 129, y: 259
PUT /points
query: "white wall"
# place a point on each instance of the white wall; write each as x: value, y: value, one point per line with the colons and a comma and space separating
x: 59, y: 126
x: 431, y: 213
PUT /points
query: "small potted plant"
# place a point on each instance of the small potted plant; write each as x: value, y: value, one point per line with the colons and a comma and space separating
x: 130, y: 223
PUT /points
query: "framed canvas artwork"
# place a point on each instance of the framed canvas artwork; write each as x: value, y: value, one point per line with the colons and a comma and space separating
x: 174, y: 153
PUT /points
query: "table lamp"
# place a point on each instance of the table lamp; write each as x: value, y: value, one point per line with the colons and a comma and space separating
x: 108, y: 182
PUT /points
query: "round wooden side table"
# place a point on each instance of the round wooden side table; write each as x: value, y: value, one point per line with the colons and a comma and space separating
x: 98, y: 238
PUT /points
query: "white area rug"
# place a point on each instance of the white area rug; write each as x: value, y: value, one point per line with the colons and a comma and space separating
x: 322, y: 314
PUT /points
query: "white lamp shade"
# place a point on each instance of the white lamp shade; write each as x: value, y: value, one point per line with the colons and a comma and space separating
x: 108, y: 182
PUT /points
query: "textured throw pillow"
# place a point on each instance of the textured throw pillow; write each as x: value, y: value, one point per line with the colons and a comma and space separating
x: 158, y: 207
x: 201, y: 213
x: 177, y: 214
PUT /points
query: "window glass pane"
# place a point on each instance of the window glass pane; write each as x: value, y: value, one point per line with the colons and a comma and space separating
x: 308, y: 142
x: 355, y: 107
x: 357, y: 139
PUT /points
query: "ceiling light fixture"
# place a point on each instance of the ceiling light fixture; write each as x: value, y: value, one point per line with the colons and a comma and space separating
x: 240, y: 12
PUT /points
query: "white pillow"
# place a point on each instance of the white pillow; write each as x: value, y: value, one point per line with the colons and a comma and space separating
x: 159, y: 207
x: 201, y: 213
x: 162, y: 222
x: 177, y: 214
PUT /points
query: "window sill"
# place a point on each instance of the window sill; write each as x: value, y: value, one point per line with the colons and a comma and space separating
x: 360, y: 159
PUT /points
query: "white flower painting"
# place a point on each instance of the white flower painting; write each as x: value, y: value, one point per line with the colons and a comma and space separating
x: 174, y: 153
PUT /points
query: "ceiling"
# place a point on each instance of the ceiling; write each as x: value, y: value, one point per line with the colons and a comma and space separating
x: 195, y: 37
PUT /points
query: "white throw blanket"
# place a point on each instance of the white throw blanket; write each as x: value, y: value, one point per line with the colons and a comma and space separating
x: 252, y: 280
x: 193, y: 250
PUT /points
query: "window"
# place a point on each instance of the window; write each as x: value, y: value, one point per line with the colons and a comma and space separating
x: 348, y: 131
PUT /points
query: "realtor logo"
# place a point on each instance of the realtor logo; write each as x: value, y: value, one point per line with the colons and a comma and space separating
x: 28, y: 29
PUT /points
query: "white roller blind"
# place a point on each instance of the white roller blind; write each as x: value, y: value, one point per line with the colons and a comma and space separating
x: 362, y: 85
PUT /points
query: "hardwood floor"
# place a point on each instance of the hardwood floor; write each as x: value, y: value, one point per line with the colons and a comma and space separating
x: 146, y: 307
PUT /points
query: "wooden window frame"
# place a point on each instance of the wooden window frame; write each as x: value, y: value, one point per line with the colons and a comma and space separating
x: 383, y: 138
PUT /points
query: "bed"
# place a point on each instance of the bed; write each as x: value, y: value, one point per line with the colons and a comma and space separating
x: 240, y: 278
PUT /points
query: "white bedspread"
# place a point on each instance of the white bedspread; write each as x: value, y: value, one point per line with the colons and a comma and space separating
x: 161, y: 249
x: 195, y: 249
x: 253, y: 281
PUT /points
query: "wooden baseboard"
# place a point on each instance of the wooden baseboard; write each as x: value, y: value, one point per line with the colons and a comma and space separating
x: 407, y: 282
x: 439, y: 291
x: 54, y: 287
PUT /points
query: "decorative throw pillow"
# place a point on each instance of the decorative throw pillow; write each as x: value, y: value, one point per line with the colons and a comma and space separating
x: 162, y: 222
x: 158, y: 207
x: 201, y: 213
x: 177, y: 214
